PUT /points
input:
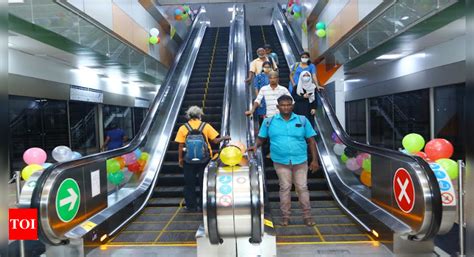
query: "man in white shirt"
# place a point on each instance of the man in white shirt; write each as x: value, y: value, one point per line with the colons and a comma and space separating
x: 271, y: 93
x: 257, y: 65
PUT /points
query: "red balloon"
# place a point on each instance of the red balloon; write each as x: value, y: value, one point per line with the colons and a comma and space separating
x: 134, y: 167
x: 439, y: 148
x: 423, y: 155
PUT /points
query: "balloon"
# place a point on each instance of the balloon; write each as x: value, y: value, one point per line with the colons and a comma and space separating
x: 450, y: 166
x: 144, y: 156
x: 184, y: 16
x: 142, y: 164
x: 344, y: 158
x: 29, y: 170
x: 62, y: 153
x: 34, y: 155
x: 178, y: 17
x: 366, y: 178
x: 361, y: 157
x: 121, y: 161
x: 350, y: 152
x: 153, y: 40
x: 134, y: 167
x: 339, y: 149
x: 230, y: 155
x: 367, y: 164
x: 116, y: 178
x: 178, y: 12
x: 439, y: 148
x: 297, y: 15
x: 296, y: 8
x: 138, y: 153
x: 423, y: 155
x: 352, y: 165
x: 112, y: 165
x: 129, y: 158
x: 321, y: 33
x: 335, y: 138
x: 413, y: 142
x: 240, y: 145
x: 76, y: 155
x: 46, y: 165
x: 186, y: 8
x: 154, y: 32
x: 320, y: 25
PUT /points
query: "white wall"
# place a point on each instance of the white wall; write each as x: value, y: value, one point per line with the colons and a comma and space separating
x: 340, y: 101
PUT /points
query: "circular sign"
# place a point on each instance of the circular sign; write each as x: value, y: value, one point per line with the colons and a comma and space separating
x: 68, y: 200
x: 225, y: 201
x: 404, y: 190
x: 447, y: 198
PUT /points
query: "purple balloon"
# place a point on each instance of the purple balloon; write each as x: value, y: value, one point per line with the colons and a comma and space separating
x: 335, y: 138
x: 361, y: 157
x: 130, y: 158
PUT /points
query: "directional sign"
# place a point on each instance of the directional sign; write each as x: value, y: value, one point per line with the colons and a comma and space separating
x: 404, y: 190
x: 68, y: 200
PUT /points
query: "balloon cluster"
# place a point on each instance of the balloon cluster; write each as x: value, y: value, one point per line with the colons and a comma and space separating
x: 320, y: 29
x: 232, y: 154
x: 357, y: 162
x: 134, y: 162
x: 294, y: 8
x: 182, y: 13
x: 154, y: 39
x: 35, y: 158
x: 438, y: 150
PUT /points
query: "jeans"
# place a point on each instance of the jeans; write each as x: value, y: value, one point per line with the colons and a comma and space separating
x: 193, y: 174
x: 298, y: 174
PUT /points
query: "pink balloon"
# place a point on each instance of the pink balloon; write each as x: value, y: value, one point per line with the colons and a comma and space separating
x: 130, y: 158
x: 34, y: 155
x: 361, y: 157
x: 352, y: 165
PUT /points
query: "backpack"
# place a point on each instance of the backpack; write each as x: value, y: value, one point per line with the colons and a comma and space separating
x: 301, y: 117
x: 197, y: 150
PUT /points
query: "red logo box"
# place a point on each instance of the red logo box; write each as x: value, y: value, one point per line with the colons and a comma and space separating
x: 23, y: 224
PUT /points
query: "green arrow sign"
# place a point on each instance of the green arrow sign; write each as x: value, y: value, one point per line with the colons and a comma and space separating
x: 68, y: 200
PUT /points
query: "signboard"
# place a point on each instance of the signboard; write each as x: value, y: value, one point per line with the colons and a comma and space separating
x: 448, y: 196
x: 404, y: 190
x: 68, y: 200
x: 85, y: 94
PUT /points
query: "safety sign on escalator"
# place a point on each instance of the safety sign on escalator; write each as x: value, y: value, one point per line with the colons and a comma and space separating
x: 448, y: 196
x: 404, y: 190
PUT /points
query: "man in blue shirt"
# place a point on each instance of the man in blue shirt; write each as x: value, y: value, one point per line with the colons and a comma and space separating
x: 289, y: 135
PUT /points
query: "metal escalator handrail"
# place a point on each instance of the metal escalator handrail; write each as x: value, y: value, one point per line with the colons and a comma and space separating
x: 286, y: 24
x: 432, y: 220
x: 57, y: 168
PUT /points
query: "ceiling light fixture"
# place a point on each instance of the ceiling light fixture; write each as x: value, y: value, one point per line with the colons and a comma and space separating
x: 353, y: 80
x: 404, y: 18
x: 389, y: 56
x: 230, y: 9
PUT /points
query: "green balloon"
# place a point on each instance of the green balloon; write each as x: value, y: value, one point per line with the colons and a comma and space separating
x: 184, y: 16
x: 321, y: 33
x: 112, y: 166
x: 344, y: 158
x: 450, y: 166
x: 186, y: 8
x: 297, y: 15
x: 116, y: 178
x: 153, y: 40
x: 144, y: 156
x: 413, y: 143
x: 320, y: 25
x: 367, y: 164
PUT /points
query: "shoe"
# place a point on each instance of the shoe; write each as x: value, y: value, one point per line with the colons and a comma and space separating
x: 284, y: 222
x: 309, y: 222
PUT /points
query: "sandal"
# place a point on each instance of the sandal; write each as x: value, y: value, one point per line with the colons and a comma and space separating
x: 309, y: 222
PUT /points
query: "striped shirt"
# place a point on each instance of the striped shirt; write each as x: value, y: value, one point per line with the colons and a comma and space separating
x: 271, y: 95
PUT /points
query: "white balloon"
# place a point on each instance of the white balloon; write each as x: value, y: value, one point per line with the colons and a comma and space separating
x: 339, y: 149
x: 154, y: 32
x: 62, y: 153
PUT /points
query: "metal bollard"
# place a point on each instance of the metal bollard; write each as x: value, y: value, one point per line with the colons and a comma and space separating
x: 17, y: 178
x: 461, y: 208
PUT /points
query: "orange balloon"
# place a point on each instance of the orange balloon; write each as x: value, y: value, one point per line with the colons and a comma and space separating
x: 142, y: 164
x: 366, y: 178
x: 121, y: 161
x: 240, y: 145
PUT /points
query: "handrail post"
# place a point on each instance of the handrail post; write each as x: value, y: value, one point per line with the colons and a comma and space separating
x: 17, y: 178
x: 461, y: 192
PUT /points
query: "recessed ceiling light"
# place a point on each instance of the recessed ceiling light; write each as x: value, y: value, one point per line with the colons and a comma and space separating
x: 389, y: 56
x: 230, y: 9
x: 353, y: 80
x: 404, y: 18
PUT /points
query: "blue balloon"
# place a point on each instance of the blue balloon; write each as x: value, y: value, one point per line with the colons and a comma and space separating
x: 137, y: 153
x: 296, y: 8
x: 178, y: 12
x: 76, y: 155
x: 46, y: 164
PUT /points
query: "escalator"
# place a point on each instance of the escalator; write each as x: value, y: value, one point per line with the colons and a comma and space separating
x: 164, y: 220
x: 332, y: 224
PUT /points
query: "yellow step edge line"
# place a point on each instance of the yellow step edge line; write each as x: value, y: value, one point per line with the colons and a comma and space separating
x: 211, y: 65
x: 319, y: 233
x: 155, y: 231
x: 134, y: 244
x: 327, y: 243
x: 263, y: 35
x: 169, y: 222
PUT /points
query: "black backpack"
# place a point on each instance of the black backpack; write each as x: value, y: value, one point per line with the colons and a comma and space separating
x: 197, y: 149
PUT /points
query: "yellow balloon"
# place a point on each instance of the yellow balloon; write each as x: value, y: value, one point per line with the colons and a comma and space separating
x: 231, y: 155
x: 29, y: 170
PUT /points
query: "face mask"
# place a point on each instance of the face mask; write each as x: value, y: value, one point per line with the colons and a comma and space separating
x: 261, y: 55
x: 306, y: 79
x: 304, y: 59
x: 267, y: 69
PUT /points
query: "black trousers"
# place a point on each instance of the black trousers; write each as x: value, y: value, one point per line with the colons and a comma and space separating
x: 193, y: 174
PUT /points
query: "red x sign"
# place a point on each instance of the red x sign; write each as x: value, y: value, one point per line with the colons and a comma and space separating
x: 404, y: 191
